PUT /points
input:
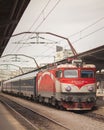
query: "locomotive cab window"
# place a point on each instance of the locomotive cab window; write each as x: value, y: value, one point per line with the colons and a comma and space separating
x: 71, y: 73
x: 59, y: 74
x: 87, y: 74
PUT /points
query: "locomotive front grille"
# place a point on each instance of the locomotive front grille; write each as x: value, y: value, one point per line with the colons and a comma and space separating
x: 79, y: 97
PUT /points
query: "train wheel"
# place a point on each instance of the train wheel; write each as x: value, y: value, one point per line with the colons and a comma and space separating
x: 49, y: 102
x: 57, y: 105
x: 31, y: 98
x: 60, y: 105
x: 41, y: 99
x: 53, y: 101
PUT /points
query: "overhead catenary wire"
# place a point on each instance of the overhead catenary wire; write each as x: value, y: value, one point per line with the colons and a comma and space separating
x: 81, y: 37
x: 43, y: 18
x: 80, y: 30
x: 32, y: 25
x: 35, y: 21
x: 50, y: 12
x: 89, y: 34
x: 47, y: 14
x: 39, y: 15
x: 87, y: 27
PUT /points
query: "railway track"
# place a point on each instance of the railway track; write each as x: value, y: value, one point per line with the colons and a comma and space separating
x: 31, y: 119
x: 64, y: 117
x: 92, y: 114
x: 95, y: 116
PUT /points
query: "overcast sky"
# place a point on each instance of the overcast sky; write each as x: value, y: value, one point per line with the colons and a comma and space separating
x: 83, y: 18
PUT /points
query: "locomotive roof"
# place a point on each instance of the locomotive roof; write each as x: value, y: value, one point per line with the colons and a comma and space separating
x: 75, y: 66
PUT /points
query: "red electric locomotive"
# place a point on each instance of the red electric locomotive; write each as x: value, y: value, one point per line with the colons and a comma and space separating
x: 70, y: 86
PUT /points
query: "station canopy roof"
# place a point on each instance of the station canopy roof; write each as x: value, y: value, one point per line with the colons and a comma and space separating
x: 10, y: 14
x: 94, y: 56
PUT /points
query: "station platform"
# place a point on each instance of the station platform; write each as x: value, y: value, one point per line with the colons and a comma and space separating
x: 100, y: 104
x: 7, y: 121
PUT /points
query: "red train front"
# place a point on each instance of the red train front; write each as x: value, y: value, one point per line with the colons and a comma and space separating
x: 71, y: 86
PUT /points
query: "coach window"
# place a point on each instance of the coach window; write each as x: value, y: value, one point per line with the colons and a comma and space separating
x: 59, y: 74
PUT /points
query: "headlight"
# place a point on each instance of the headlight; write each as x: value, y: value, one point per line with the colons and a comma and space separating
x: 90, y: 88
x: 68, y: 88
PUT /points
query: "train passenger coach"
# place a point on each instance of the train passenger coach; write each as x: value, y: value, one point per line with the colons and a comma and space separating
x: 71, y: 86
x: 23, y: 85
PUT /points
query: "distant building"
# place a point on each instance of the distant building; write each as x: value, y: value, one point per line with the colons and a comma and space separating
x: 62, y: 53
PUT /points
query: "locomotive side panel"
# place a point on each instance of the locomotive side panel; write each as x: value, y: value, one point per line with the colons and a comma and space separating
x: 46, y: 84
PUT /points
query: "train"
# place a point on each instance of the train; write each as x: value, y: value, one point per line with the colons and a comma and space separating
x: 71, y: 86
